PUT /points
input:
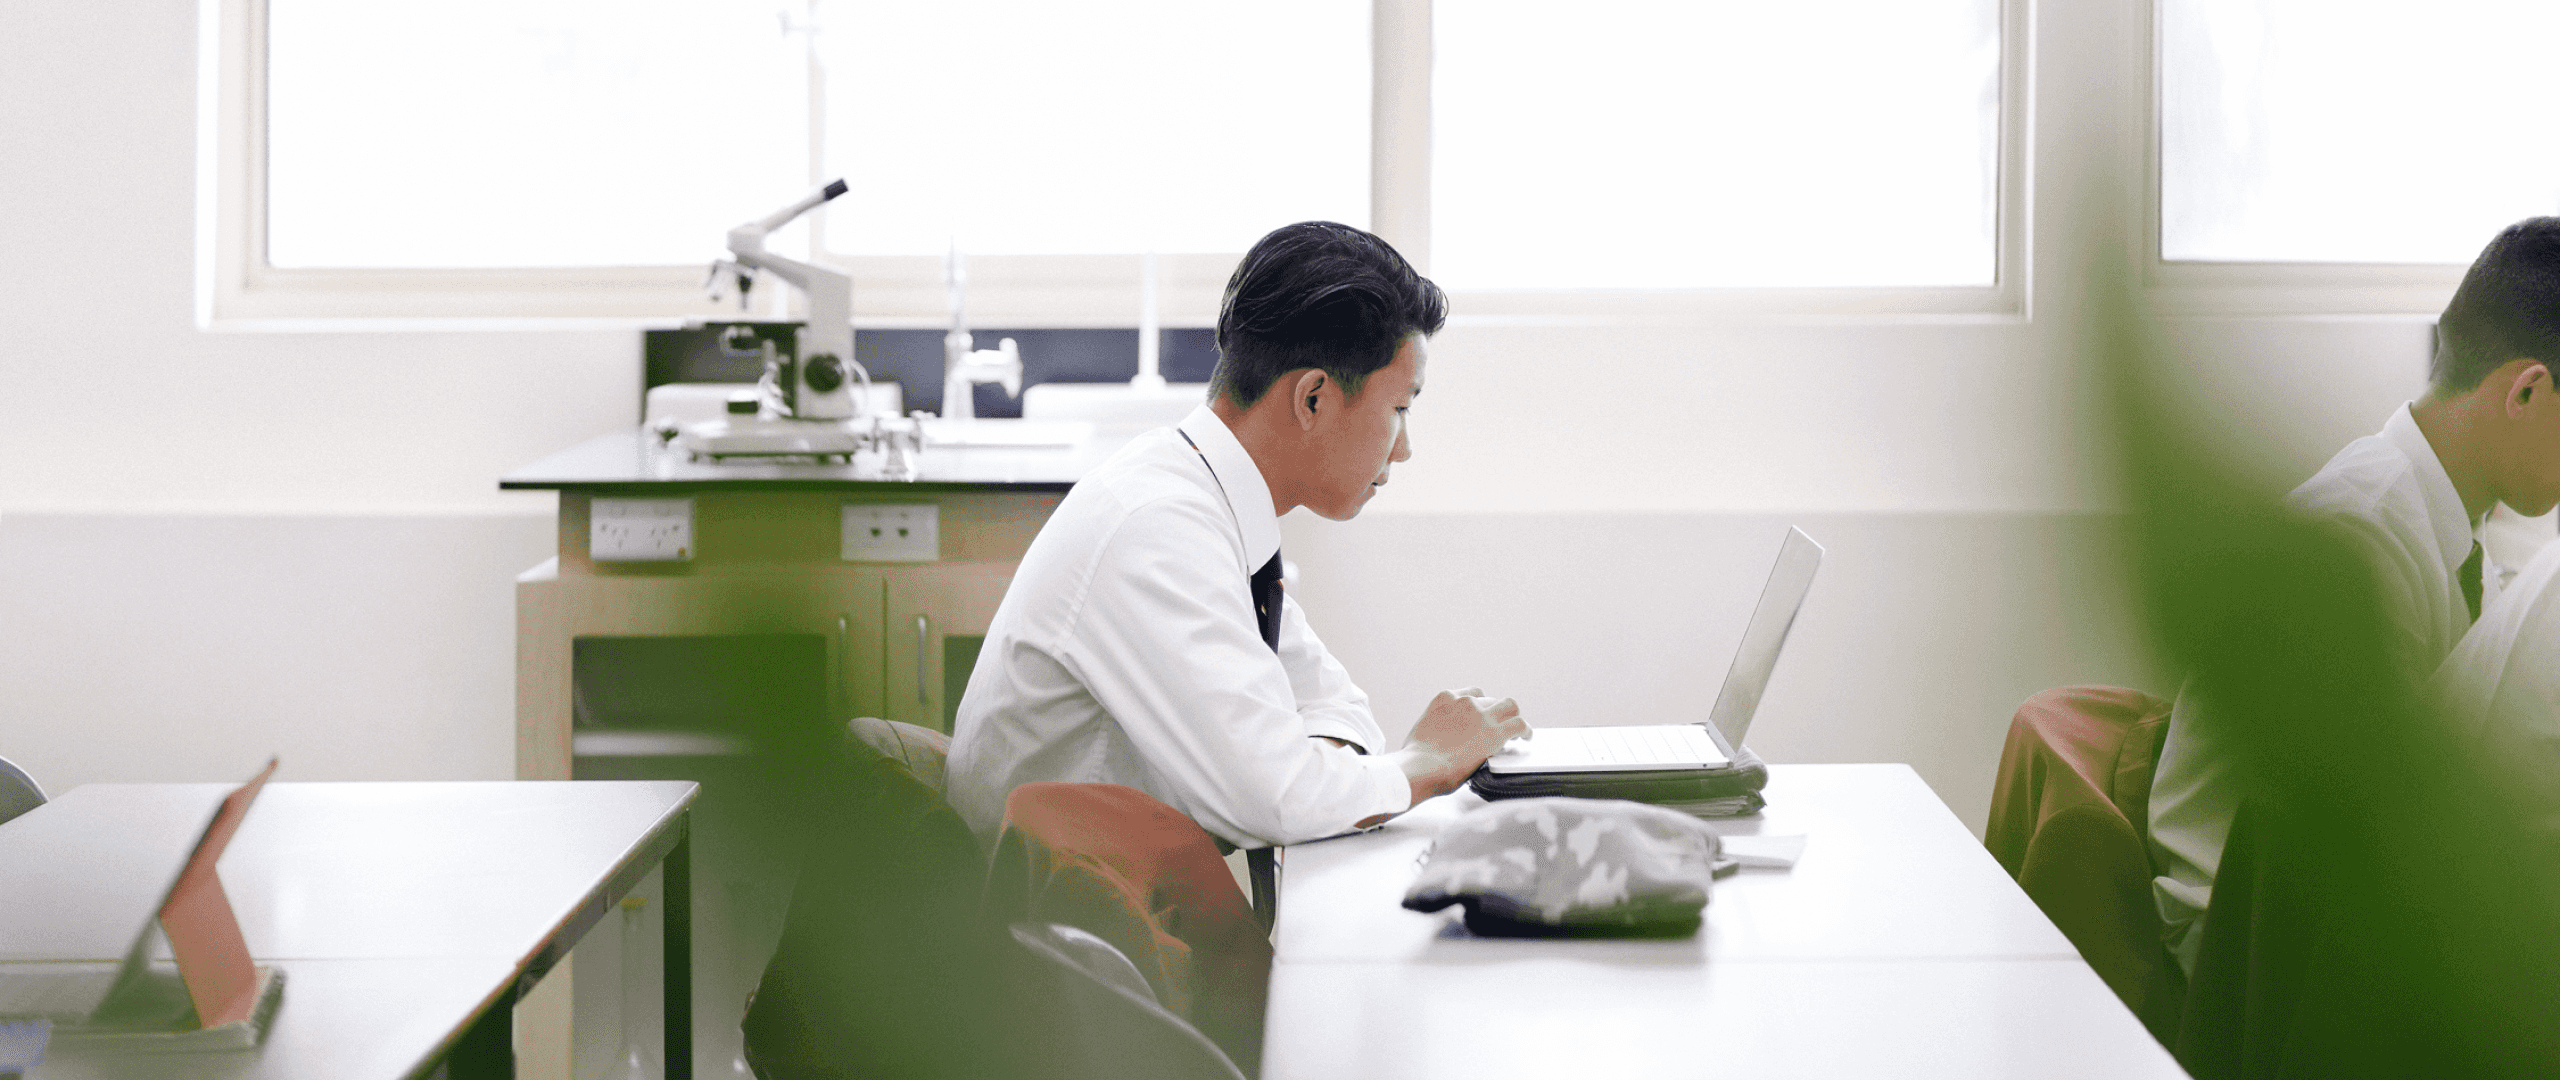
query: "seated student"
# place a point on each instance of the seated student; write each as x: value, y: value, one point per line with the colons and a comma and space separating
x: 2412, y: 498
x: 1146, y: 640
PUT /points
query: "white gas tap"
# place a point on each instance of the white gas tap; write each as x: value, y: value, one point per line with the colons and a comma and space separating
x: 964, y: 365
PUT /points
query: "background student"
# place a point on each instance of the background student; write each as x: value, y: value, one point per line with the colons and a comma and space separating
x: 2410, y: 499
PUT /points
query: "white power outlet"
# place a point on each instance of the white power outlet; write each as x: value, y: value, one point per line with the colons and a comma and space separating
x: 640, y: 530
x: 877, y: 532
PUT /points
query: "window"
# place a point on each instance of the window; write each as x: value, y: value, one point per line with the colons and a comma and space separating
x: 2325, y: 131
x: 519, y: 133
x: 551, y: 158
x: 1083, y: 129
x: 1647, y: 144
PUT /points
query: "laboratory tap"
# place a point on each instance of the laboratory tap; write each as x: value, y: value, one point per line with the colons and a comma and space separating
x: 968, y: 367
x: 964, y: 365
x: 1150, y: 377
x: 820, y: 385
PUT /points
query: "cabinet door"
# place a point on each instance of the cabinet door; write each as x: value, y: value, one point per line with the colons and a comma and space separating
x: 936, y: 617
x: 843, y: 606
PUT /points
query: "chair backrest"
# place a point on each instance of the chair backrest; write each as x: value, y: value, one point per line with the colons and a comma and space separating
x: 1094, y: 1019
x: 19, y: 792
x: 1115, y: 862
x: 923, y: 750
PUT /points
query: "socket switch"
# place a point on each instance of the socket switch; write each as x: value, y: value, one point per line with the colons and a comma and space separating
x: 640, y: 530
x: 880, y: 532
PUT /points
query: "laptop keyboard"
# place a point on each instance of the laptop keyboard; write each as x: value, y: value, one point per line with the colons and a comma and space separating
x: 1652, y: 744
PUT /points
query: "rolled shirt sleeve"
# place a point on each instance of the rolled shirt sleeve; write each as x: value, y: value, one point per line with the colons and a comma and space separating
x: 1164, y: 641
x: 1328, y: 702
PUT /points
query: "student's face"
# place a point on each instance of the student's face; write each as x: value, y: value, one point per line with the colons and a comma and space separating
x: 2537, y: 490
x: 1363, y: 437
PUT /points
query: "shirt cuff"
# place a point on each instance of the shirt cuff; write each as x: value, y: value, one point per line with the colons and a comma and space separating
x: 1391, y: 792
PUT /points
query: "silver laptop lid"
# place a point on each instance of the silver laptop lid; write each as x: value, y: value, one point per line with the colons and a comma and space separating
x: 1789, y: 581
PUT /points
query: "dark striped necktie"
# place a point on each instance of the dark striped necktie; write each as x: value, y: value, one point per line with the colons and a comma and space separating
x: 2470, y: 578
x: 1261, y: 868
x: 1266, y: 600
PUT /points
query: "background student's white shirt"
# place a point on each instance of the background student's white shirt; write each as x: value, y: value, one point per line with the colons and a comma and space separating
x: 1126, y: 652
x: 2389, y: 493
x: 2501, y: 684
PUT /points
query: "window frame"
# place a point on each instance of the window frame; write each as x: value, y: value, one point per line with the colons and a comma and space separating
x: 239, y: 289
x: 2278, y: 289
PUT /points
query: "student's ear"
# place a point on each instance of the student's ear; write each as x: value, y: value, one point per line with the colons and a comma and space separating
x: 1306, y: 394
x: 2531, y: 382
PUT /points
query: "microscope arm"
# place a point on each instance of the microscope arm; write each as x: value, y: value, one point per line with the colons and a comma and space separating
x: 830, y: 293
x: 750, y: 236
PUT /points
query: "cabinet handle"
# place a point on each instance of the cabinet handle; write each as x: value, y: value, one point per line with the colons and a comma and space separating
x: 924, y: 630
x: 844, y: 665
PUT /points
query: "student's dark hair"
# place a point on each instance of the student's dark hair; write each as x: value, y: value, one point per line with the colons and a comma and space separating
x: 1319, y: 295
x: 2507, y: 307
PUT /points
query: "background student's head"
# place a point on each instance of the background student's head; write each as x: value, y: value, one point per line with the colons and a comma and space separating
x: 2497, y: 347
x: 2507, y: 309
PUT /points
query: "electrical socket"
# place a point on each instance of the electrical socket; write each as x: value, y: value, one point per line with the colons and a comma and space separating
x: 640, y: 530
x: 881, y: 532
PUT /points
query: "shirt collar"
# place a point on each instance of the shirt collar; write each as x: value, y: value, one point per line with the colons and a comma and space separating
x: 1240, y: 481
x: 2454, y: 528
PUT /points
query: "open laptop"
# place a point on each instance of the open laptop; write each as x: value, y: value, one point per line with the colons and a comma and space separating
x: 1686, y: 746
x: 216, y: 997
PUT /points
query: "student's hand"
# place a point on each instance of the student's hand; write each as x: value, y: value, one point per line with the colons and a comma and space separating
x: 1457, y: 732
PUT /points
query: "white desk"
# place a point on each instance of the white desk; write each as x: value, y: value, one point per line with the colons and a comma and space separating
x: 408, y: 917
x: 340, y: 1018
x: 1895, y: 946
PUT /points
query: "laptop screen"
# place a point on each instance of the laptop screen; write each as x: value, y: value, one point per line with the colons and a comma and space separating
x: 1798, y: 558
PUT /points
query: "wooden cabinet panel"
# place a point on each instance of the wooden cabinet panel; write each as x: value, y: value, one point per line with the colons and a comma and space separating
x: 934, y: 615
x: 768, y: 564
x: 841, y: 604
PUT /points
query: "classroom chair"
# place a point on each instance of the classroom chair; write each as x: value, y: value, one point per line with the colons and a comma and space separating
x: 891, y: 964
x: 923, y: 751
x: 19, y: 792
x: 882, y: 968
x: 1101, y: 1019
x: 2069, y: 821
x: 1114, y: 862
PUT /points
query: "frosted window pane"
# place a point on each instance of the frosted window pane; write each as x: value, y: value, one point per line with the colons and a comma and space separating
x: 1036, y: 127
x: 484, y: 133
x: 2352, y: 130
x: 1633, y: 144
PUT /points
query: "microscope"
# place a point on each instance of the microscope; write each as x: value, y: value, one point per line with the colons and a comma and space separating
x: 809, y: 406
x: 817, y: 382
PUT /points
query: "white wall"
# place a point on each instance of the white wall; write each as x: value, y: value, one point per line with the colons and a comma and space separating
x: 166, y: 646
x: 215, y: 545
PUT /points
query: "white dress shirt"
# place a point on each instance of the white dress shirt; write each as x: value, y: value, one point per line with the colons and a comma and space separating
x: 2390, y: 495
x: 1126, y: 652
x: 2502, y: 682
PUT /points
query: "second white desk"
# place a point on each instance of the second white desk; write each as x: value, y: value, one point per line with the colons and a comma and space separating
x: 1896, y: 945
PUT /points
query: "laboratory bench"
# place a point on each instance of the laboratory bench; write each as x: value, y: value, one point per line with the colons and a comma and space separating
x: 767, y: 560
x: 659, y: 670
